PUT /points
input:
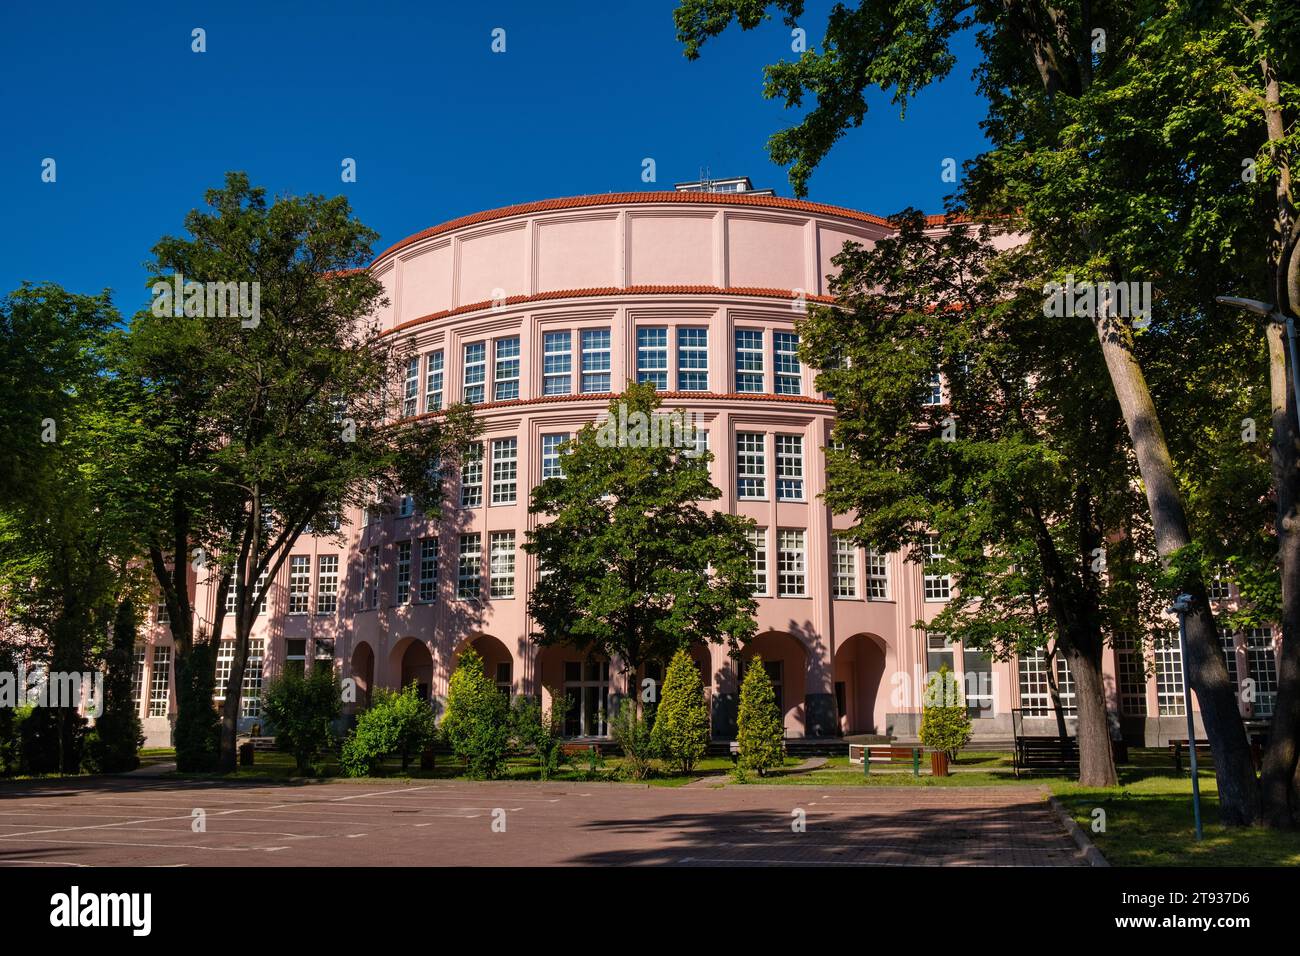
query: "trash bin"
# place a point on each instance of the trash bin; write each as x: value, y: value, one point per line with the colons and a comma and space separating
x: 246, y: 754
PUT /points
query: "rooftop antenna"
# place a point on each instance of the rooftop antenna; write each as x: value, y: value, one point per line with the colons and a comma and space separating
x: 706, y: 184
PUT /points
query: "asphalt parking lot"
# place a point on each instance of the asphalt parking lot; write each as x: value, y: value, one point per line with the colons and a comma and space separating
x: 124, y: 821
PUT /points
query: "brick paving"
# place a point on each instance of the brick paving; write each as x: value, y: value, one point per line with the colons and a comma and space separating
x: 141, y: 821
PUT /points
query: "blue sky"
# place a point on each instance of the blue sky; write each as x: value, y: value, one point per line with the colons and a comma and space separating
x: 438, y: 124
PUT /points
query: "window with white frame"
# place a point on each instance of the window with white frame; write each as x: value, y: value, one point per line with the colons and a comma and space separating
x: 877, y: 575
x: 469, y: 573
x: 751, y: 465
x: 137, y: 677
x: 586, y: 689
x: 1131, y: 675
x: 402, y: 589
x: 1065, y: 687
x: 845, y: 584
x: 749, y: 360
x: 433, y: 381
x: 505, y: 470
x: 373, y: 584
x: 1218, y: 586
x: 428, y: 569
x: 1169, y: 677
x: 595, y: 361
x: 789, y: 468
x: 652, y: 357
x: 792, y: 577
x: 692, y: 360
x: 259, y: 596
x: 937, y: 586
x: 1228, y: 644
x: 757, y: 538
x: 557, y: 363
x: 934, y: 389
x: 161, y: 683
x: 161, y: 616
x: 299, y: 583
x: 406, y: 506
x: 552, y: 466
x: 411, y: 391
x: 327, y: 583
x: 1263, y: 668
x: 506, y: 372
x: 250, y: 698
x: 1035, y: 692
x: 225, y: 661
x: 471, y: 476
x: 938, y: 651
x: 501, y: 564
x: 474, y: 373
x: 785, y: 353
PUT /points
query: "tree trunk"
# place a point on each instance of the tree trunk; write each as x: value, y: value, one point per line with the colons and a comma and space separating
x: 1206, y: 671
x: 1096, y: 757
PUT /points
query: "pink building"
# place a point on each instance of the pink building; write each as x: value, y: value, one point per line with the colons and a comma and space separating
x: 536, y: 313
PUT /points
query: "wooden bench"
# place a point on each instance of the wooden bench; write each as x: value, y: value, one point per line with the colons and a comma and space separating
x: 1046, y: 754
x: 1177, y: 747
x: 885, y: 753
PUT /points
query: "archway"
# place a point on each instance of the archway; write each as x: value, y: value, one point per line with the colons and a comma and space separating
x: 859, y: 671
x: 363, y: 673
x: 786, y: 661
x: 498, y: 662
x: 415, y: 666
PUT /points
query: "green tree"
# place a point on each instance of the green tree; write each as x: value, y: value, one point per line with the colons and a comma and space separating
x: 631, y: 729
x: 476, y: 722
x: 945, y: 724
x: 540, y: 730
x: 267, y: 424
x: 398, y: 722
x: 114, y: 745
x: 681, y: 729
x: 302, y: 709
x: 760, y: 731
x: 634, y: 567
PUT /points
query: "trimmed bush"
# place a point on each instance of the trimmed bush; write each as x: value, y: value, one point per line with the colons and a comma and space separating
x: 945, y: 725
x: 400, y: 722
x: 477, y: 722
x: 302, y: 710
x: 760, y: 731
x: 632, y: 732
x: 540, y: 731
x: 681, y: 730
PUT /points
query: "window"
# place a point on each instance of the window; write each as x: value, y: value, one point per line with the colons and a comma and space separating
x: 503, y: 680
x: 506, y: 373
x: 295, y: 656
x: 877, y: 576
x: 433, y: 381
x: 1218, y: 586
x: 1169, y: 678
x: 846, y: 566
x: 299, y: 583
x: 1131, y: 675
x: 751, y: 465
x: 785, y: 354
x: 505, y: 469
x: 428, y: 568
x: 323, y: 649
x: 1065, y: 686
x: 1263, y: 669
x: 791, y: 567
x: 259, y: 595
x: 471, y: 476
x: 978, y: 682
x: 402, y: 592
x: 406, y: 506
x: 552, y: 466
x: 411, y: 392
x: 1228, y: 643
x: 160, y: 613
x: 373, y: 589
x: 789, y: 468
x: 327, y: 583
x: 250, y: 700
x: 652, y: 357
x: 501, y: 564
x: 225, y: 660
x: 557, y: 363
x: 160, y: 685
x: 937, y: 586
x: 938, y: 651
x: 475, y: 372
x: 758, y: 557
x: 934, y: 389
x: 469, y: 584
x: 1035, y: 692
x: 586, y: 688
x: 137, y: 678
x: 749, y: 360
x: 693, y: 360
x: 595, y: 360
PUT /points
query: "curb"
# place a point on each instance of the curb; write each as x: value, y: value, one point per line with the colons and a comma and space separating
x: 1088, y: 848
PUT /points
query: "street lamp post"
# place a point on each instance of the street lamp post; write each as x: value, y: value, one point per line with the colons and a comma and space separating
x: 1265, y: 309
x: 1182, y: 604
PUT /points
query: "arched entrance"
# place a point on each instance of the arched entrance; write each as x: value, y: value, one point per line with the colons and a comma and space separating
x: 859, y: 673
x: 786, y: 662
x: 498, y: 662
x: 415, y: 665
x: 363, y: 673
